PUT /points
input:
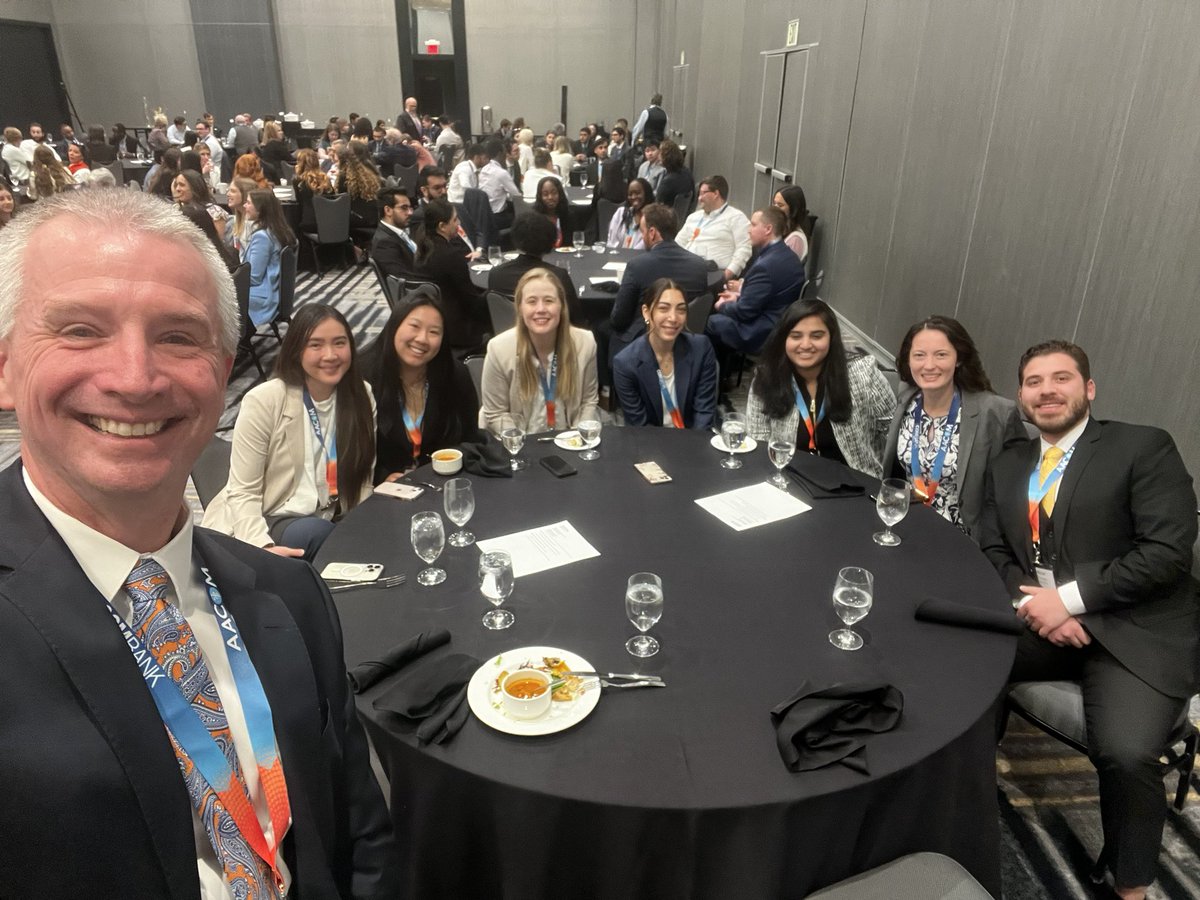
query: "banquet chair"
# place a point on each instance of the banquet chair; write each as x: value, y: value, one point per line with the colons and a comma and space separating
x: 500, y: 308
x: 241, y: 284
x: 407, y: 175
x: 287, y: 289
x: 474, y: 365
x: 699, y: 309
x: 919, y: 876
x: 211, y: 470
x: 605, y: 210
x: 394, y: 289
x: 287, y: 171
x: 332, y: 215
x: 682, y: 206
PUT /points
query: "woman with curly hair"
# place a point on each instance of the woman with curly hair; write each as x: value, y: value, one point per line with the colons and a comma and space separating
x: 677, y: 179
x: 308, y: 182
x: 248, y: 166
x: 49, y: 176
x: 362, y: 184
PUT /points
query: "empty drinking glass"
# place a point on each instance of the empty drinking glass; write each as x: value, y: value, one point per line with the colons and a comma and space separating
x: 511, y: 431
x: 428, y: 539
x: 459, y: 500
x: 495, y: 255
x: 892, y: 505
x: 644, y: 606
x: 780, y: 449
x: 588, y: 427
x: 733, y: 432
x: 852, y: 595
x: 496, y: 583
x: 578, y: 241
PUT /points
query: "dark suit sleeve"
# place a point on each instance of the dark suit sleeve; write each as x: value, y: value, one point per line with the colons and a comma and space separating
x: 391, y: 257
x: 626, y: 384
x: 992, y: 541
x: 1163, y: 519
x: 704, y: 395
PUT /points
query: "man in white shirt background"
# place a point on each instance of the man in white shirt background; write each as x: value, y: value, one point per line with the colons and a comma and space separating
x: 204, y: 135
x: 466, y: 173
x: 499, y: 186
x: 717, y: 231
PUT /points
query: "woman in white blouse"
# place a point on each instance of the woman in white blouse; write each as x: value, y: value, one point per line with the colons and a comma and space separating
x: 304, y: 442
x: 542, y: 370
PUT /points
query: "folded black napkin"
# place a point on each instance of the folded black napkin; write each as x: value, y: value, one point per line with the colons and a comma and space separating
x: 432, y: 694
x: 372, y: 671
x: 819, y: 726
x: 947, y: 612
x: 825, y: 479
x: 487, y: 459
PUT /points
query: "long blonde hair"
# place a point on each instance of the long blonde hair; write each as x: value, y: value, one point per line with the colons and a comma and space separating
x: 564, y: 348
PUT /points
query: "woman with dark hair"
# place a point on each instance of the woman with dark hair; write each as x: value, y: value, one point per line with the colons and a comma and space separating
x: 270, y: 235
x: 211, y: 173
x: 624, y: 230
x: 677, y: 178
x: 791, y: 201
x: 49, y: 176
x: 201, y: 218
x: 303, y: 444
x: 806, y: 384
x: 8, y: 204
x: 426, y: 397
x: 960, y: 424
x: 445, y: 264
x: 124, y: 143
x: 190, y: 187
x: 667, y: 376
x: 542, y: 369
x: 552, y: 203
x: 99, y: 151
x: 164, y: 174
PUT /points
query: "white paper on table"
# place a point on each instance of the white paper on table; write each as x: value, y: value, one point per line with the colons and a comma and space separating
x: 538, y: 549
x: 601, y: 279
x: 749, y: 507
x: 618, y: 267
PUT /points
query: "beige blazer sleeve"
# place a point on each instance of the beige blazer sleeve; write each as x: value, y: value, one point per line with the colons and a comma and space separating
x: 501, y: 391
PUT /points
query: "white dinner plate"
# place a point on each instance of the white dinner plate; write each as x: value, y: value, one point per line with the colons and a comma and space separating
x: 748, y: 444
x: 511, y: 254
x: 481, y: 267
x: 564, y: 249
x: 483, y: 695
x: 570, y: 440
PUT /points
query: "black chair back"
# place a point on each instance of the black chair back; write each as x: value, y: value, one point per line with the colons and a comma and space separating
x: 475, y: 367
x: 682, y: 207
x: 211, y: 470
x: 286, y: 171
x: 393, y: 290
x: 699, y: 310
x: 407, y: 176
x: 333, y: 218
x: 446, y: 158
x: 502, y: 311
x: 241, y: 284
x: 287, y: 284
x: 605, y: 210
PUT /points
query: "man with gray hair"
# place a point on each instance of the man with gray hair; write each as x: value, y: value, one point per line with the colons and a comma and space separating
x: 244, y: 136
x: 394, y: 152
x: 176, y: 701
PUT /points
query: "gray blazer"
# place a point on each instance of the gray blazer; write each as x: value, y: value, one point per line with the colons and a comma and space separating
x: 988, y: 424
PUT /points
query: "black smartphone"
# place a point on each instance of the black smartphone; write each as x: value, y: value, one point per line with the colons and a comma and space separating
x: 558, y: 466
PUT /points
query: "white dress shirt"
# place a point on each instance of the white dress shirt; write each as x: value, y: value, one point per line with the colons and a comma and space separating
x: 29, y: 145
x: 176, y: 135
x: 533, y: 177
x: 107, y: 563
x: 464, y: 176
x: 722, y: 236
x: 495, y: 181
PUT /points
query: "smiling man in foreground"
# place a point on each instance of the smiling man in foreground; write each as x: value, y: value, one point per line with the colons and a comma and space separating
x: 1092, y: 526
x: 177, y: 718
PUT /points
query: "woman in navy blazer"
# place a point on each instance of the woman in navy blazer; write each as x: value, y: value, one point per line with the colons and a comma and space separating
x: 667, y: 376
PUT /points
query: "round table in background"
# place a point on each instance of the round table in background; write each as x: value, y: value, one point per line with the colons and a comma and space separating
x: 681, y: 792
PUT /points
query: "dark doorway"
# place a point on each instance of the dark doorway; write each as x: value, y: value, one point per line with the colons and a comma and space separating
x: 435, y: 88
x: 31, y: 88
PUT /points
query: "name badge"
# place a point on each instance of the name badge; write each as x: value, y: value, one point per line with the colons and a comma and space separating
x: 1045, y: 578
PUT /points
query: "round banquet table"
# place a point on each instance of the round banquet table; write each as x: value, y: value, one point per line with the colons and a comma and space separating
x: 681, y: 792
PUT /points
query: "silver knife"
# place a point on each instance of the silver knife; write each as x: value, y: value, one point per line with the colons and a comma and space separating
x: 630, y: 677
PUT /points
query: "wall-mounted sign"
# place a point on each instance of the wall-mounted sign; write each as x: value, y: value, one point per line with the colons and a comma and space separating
x: 793, y: 35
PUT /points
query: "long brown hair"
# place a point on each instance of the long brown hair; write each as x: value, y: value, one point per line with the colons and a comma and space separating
x: 355, y: 424
x: 564, y: 348
x: 308, y: 172
x: 271, y: 218
x: 968, y: 367
x: 49, y: 175
x: 360, y: 182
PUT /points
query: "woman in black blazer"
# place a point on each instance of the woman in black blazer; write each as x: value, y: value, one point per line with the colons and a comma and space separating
x: 667, y: 376
x: 676, y: 180
x: 445, y: 264
x: 425, y: 398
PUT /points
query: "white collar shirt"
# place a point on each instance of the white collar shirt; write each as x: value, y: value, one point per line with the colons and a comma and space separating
x: 722, y: 236
x: 495, y: 181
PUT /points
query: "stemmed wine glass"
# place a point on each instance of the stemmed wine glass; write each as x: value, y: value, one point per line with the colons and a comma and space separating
x: 496, y: 583
x: 589, y: 429
x: 852, y: 597
x: 644, y: 606
x: 733, y: 432
x: 583, y: 177
x: 459, y: 500
x: 511, y: 431
x: 892, y: 505
x: 428, y: 539
x: 577, y: 241
x: 780, y: 448
x: 495, y: 255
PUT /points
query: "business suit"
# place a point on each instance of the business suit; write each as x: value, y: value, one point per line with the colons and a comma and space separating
x: 244, y: 139
x: 97, y: 772
x: 635, y: 377
x: 665, y: 259
x: 772, y: 283
x: 502, y: 387
x: 409, y: 124
x: 987, y: 424
x: 505, y: 276
x: 1122, y: 529
x: 466, y: 311
x: 392, y: 253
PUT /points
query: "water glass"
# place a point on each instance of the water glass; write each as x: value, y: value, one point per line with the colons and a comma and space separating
x: 852, y: 595
x: 511, y: 431
x: 733, y: 432
x: 643, y: 606
x: 428, y: 539
x: 578, y: 240
x: 496, y: 583
x: 588, y: 426
x: 781, y: 446
x: 459, y: 500
x: 599, y: 247
x: 892, y: 505
x: 495, y: 255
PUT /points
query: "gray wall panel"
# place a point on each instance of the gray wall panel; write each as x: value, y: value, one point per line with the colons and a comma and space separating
x: 239, y: 65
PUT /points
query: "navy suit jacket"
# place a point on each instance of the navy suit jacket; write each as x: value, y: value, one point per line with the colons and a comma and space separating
x: 635, y: 376
x: 88, y: 765
x: 772, y: 283
x: 664, y: 260
x: 1123, y: 528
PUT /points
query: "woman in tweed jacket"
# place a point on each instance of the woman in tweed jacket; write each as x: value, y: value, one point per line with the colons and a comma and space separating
x: 805, y: 376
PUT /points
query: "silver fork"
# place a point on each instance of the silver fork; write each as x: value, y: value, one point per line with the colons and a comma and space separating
x: 388, y: 582
x: 436, y: 488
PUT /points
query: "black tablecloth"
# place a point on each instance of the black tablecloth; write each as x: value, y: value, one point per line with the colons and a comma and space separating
x: 681, y: 792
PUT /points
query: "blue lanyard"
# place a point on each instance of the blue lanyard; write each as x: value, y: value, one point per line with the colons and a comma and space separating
x: 947, y: 437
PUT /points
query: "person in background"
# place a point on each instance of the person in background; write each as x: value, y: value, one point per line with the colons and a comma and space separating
x: 274, y: 151
x: 562, y: 157
x: 157, y: 139
x: 76, y: 162
x: 177, y: 132
x: 467, y: 174
x: 49, y: 176
x: 100, y: 178
x: 409, y: 121
x: 806, y: 382
x: 189, y: 187
x: 960, y: 424
x: 617, y: 148
x: 441, y: 259
x: 392, y: 247
x: 448, y: 137
x: 717, y: 231
x: 20, y: 163
x: 238, y: 226
x: 651, y: 168
x: 308, y: 183
x: 38, y: 138
x: 543, y: 369
x: 625, y: 227
x: 676, y: 180
x: 791, y: 202
x: 303, y: 443
x: 430, y: 130
x: 212, y: 175
x: 66, y: 138
x: 533, y: 236
x: 499, y: 186
x: 542, y: 168
x: 426, y: 398
x: 667, y: 376
x: 525, y: 147
x: 7, y: 204
x: 269, y: 235
x: 362, y: 184
x: 124, y: 143
x: 159, y: 179
x: 394, y: 151
x: 99, y: 151
x: 652, y: 123
x: 248, y: 166
x: 552, y: 203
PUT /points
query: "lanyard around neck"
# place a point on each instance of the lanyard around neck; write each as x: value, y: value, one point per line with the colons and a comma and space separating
x: 329, y: 449
x: 549, y: 386
x: 810, y: 415
x: 927, y: 484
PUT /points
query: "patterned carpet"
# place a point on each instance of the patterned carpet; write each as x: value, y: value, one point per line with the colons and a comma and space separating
x: 1047, y: 799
